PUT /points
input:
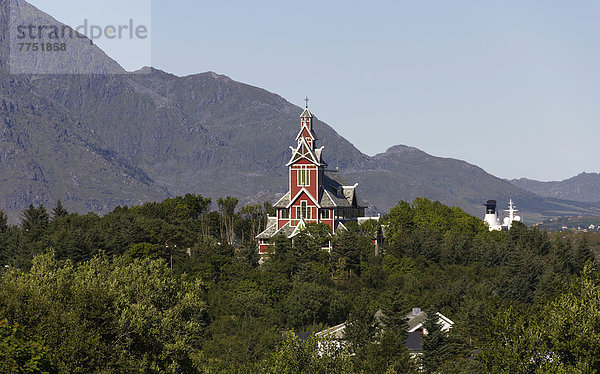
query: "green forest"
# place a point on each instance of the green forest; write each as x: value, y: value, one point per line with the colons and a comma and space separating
x: 177, y: 287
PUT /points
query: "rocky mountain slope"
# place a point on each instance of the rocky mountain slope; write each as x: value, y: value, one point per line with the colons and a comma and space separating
x: 96, y: 141
x: 47, y: 154
x: 583, y: 187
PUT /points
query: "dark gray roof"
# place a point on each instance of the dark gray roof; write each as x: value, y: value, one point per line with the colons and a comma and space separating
x: 337, y: 193
x: 335, y: 178
x: 333, y: 194
x: 414, y: 341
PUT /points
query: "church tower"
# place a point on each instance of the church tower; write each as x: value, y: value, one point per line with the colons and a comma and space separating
x: 314, y: 193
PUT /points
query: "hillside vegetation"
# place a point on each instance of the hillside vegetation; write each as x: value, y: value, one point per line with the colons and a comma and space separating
x: 157, y: 288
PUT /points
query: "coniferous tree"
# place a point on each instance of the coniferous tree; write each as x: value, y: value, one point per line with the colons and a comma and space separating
x: 3, y: 222
x: 435, y: 343
x: 563, y: 251
x: 35, y: 221
x: 389, y: 353
x: 59, y: 210
x: 4, y: 251
x: 583, y: 253
x: 524, y: 270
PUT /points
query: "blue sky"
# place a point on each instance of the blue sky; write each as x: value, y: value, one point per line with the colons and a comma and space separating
x: 510, y: 86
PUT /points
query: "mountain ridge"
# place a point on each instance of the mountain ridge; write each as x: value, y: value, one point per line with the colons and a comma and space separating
x: 154, y: 134
x: 584, y: 187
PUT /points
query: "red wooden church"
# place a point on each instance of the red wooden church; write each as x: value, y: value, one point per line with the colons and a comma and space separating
x: 314, y: 193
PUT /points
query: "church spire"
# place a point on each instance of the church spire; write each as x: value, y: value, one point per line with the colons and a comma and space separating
x: 306, y: 130
x: 306, y: 116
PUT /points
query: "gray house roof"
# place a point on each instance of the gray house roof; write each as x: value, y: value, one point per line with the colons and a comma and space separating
x: 414, y: 341
x: 414, y: 319
x: 417, y: 317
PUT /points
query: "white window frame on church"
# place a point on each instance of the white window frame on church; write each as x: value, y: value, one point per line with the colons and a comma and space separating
x: 285, y: 213
x: 303, y: 176
x: 303, y: 211
x: 325, y: 214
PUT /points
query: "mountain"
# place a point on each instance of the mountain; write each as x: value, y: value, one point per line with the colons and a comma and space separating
x: 24, y: 23
x: 101, y: 140
x: 46, y: 154
x: 203, y: 133
x: 405, y: 173
x: 583, y: 187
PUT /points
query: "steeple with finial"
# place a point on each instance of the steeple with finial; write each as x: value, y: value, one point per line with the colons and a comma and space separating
x: 306, y: 115
x: 306, y: 130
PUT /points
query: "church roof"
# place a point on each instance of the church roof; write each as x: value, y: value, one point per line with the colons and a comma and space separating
x: 283, y: 202
x: 340, y: 227
x: 287, y: 230
x: 330, y: 199
x: 306, y: 113
x: 336, y: 192
x: 270, y: 230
